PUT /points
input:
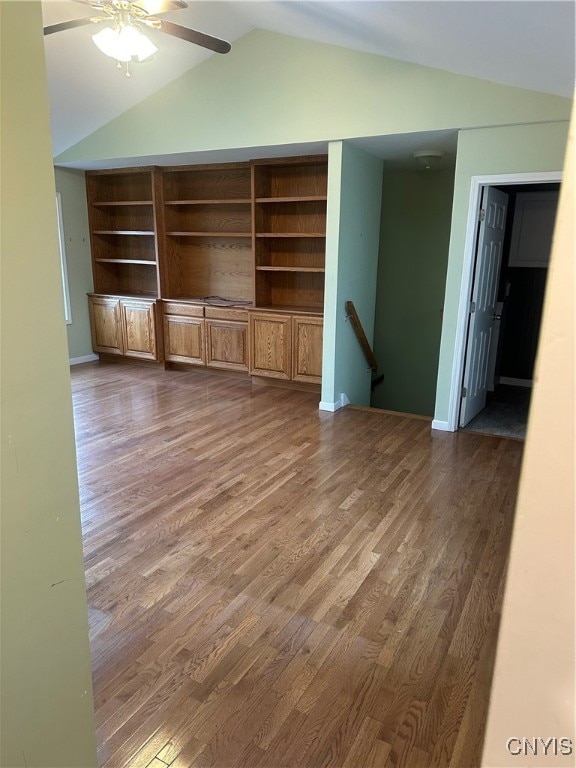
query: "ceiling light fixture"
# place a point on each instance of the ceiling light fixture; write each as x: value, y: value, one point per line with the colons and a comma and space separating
x: 124, y: 42
x: 429, y: 158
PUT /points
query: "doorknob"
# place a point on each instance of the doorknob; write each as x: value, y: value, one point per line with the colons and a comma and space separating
x: 496, y: 317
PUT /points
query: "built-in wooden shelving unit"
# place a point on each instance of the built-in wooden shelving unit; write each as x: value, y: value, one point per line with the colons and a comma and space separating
x: 290, y: 232
x: 244, y: 235
x: 207, y: 232
x: 122, y: 216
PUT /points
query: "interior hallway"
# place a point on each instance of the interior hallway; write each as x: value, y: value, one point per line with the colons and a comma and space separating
x: 270, y: 585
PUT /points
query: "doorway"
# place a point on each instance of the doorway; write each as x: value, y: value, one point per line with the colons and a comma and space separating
x: 509, y: 271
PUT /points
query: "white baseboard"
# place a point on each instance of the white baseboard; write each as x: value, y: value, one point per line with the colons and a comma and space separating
x: 515, y: 382
x: 331, y: 407
x: 85, y: 359
x: 443, y: 426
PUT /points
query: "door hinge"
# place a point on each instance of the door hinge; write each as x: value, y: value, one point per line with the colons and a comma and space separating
x: 482, y: 215
x: 464, y: 392
x: 472, y: 307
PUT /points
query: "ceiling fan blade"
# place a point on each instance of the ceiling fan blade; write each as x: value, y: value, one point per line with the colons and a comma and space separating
x: 49, y: 30
x: 196, y: 37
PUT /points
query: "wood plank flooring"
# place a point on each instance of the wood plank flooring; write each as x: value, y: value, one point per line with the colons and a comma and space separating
x: 271, y: 586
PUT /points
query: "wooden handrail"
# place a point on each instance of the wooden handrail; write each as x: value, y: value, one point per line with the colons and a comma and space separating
x: 360, y: 335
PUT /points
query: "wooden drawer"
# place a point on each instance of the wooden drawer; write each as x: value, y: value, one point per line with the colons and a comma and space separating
x: 225, y: 313
x: 182, y: 309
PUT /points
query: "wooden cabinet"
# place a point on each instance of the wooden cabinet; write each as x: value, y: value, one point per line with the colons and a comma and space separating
x: 198, y: 335
x: 307, y: 349
x: 184, y: 340
x: 183, y: 333
x: 287, y: 347
x: 105, y: 324
x: 138, y: 322
x: 124, y: 326
x: 270, y: 345
x: 226, y: 338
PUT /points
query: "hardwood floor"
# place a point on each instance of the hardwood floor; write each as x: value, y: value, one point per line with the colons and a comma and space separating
x: 272, y: 586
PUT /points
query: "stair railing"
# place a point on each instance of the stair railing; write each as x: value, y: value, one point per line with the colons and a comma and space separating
x: 352, y: 315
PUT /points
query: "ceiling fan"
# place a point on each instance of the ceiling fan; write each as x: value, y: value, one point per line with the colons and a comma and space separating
x: 124, y: 39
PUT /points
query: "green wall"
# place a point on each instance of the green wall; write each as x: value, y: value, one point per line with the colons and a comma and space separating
x: 273, y: 89
x: 46, y: 711
x: 415, y: 233
x: 353, y: 231
x: 482, y: 152
x: 72, y: 187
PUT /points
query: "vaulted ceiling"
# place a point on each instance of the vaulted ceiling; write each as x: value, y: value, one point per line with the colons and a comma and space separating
x: 526, y: 43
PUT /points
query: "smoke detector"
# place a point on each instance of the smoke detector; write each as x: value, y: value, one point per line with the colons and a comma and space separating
x: 429, y: 158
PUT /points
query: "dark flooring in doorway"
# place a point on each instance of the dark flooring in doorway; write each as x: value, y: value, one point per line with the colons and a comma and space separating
x: 505, y: 414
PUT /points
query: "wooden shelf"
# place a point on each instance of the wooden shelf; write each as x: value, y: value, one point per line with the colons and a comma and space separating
x: 215, y: 183
x: 239, y: 201
x: 125, y: 261
x: 299, y: 178
x: 294, y: 199
x: 290, y: 269
x: 292, y: 309
x: 128, y: 295
x: 290, y: 234
x: 210, y: 234
x: 214, y: 302
x: 137, y: 232
x: 105, y: 203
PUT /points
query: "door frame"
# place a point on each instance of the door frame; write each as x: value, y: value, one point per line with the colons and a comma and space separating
x: 477, y: 183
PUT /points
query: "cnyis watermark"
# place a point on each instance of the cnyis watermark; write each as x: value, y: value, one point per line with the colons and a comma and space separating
x: 538, y: 745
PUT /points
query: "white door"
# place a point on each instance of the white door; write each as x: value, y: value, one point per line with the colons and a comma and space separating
x: 483, y: 304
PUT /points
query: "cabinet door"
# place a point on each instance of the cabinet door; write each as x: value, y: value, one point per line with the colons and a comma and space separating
x: 184, y: 339
x: 226, y: 345
x: 270, y: 345
x: 106, y: 325
x: 307, y: 349
x: 139, y: 329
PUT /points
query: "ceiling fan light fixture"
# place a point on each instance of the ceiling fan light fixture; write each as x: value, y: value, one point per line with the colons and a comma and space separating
x: 124, y: 43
